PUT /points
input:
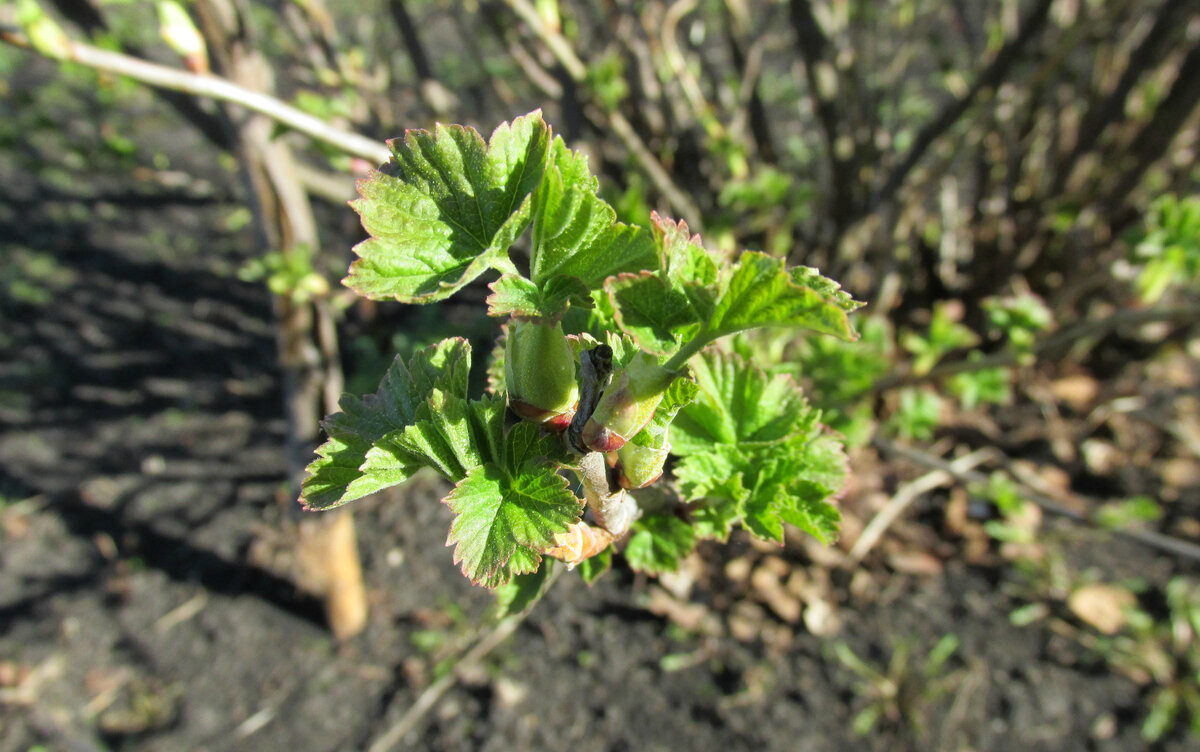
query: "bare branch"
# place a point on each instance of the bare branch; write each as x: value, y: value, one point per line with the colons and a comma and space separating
x: 992, y: 76
x: 91, y: 20
x: 907, y: 494
x: 437, y: 97
x: 577, y: 70
x: 542, y: 79
x: 214, y: 87
x: 612, y: 508
x: 1153, y: 140
x: 814, y: 46
x: 1111, y: 109
x: 1181, y: 548
x: 1056, y: 344
x: 683, y: 74
x: 749, y: 62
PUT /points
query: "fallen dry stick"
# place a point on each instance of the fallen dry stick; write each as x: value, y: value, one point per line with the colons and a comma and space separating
x: 910, y: 492
x: 1185, y: 549
x: 428, y: 699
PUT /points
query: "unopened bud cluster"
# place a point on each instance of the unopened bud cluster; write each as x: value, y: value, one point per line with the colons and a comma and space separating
x: 542, y: 388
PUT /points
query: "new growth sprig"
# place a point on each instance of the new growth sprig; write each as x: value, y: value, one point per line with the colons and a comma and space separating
x: 607, y: 370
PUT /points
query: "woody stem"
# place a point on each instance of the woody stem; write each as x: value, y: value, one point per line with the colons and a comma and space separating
x: 613, y: 510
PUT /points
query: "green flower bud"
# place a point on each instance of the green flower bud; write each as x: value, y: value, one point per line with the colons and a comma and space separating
x: 627, y: 405
x: 641, y: 465
x: 539, y: 372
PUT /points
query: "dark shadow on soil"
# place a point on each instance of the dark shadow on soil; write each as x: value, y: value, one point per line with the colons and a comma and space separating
x: 185, y: 562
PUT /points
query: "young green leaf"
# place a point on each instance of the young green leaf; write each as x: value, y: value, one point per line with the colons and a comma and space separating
x: 712, y: 484
x: 985, y: 386
x: 713, y: 517
x: 753, y: 451
x: 513, y: 295
x: 577, y: 243
x: 762, y: 292
x: 522, y: 591
x: 791, y: 482
x: 737, y: 404
x: 575, y: 232
x: 687, y: 297
x: 446, y: 208
x: 509, y: 511
x: 335, y: 477
x: 592, y: 568
x: 659, y: 543
x: 447, y: 433
x: 806, y: 276
x: 440, y: 436
x: 945, y: 334
x: 711, y: 472
x: 817, y: 473
x: 918, y: 414
x: 488, y: 415
x: 682, y: 256
x: 665, y: 307
x: 657, y: 314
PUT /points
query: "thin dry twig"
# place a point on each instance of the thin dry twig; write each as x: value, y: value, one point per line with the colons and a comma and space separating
x: 429, y: 698
x: 214, y: 87
x: 1056, y: 344
x: 1165, y: 543
x: 577, y: 70
x: 910, y: 492
x: 180, y: 614
x: 987, y: 80
x: 683, y: 74
x: 27, y: 692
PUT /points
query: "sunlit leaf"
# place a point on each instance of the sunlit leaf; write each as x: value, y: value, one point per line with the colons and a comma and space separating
x: 513, y: 295
x: 753, y: 451
x: 762, y: 292
x: 508, y: 512
x: 575, y: 232
x: 335, y: 477
x: 738, y: 404
x: 446, y: 208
